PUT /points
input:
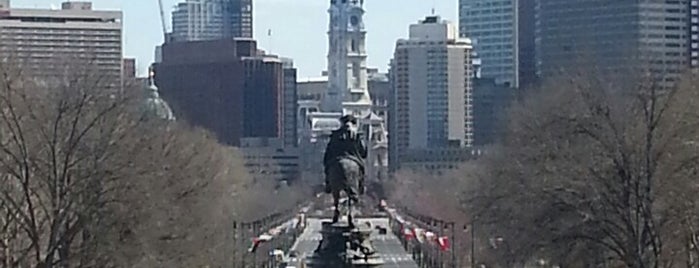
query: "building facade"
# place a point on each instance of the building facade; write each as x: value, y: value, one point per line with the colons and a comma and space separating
x: 44, y: 41
x: 380, y: 92
x: 269, y: 158
x: 263, y: 97
x: 195, y: 20
x: 614, y: 36
x: 490, y: 104
x: 129, y: 68
x: 438, y: 159
x: 313, y: 88
x: 290, y: 104
x: 224, y: 86
x: 378, y: 85
x: 694, y: 33
x: 432, y: 103
x: 503, y: 36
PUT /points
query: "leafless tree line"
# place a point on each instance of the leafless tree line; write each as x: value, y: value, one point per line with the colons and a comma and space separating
x: 89, y: 181
x: 597, y: 170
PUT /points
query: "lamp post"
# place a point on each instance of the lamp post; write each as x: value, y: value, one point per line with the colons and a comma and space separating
x: 473, y: 246
x: 453, y: 247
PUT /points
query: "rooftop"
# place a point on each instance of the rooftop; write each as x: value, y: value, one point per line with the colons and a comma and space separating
x: 320, y: 79
x: 71, y: 11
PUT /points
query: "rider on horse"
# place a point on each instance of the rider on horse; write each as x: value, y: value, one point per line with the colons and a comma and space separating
x: 344, y: 161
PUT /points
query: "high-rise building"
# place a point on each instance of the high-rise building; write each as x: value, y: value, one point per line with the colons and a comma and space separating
x: 694, y: 33
x: 614, y: 36
x: 432, y: 93
x: 490, y: 103
x: 225, y: 86
x: 194, y: 20
x: 503, y: 36
x: 43, y: 41
x: 129, y: 67
x: 290, y: 104
x: 263, y: 102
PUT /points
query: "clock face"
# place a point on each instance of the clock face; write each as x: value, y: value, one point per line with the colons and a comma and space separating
x: 354, y: 20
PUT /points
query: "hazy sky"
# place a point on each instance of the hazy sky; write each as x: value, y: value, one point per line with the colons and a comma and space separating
x: 298, y: 27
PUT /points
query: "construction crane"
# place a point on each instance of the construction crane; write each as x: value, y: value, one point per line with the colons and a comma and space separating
x: 162, y: 21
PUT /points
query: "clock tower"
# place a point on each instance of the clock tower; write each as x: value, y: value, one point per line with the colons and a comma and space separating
x: 347, y: 71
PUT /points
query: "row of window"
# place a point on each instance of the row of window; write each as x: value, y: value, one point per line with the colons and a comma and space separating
x: 58, y: 31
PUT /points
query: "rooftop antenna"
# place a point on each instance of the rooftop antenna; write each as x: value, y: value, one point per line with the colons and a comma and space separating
x: 433, y: 6
x: 269, y: 36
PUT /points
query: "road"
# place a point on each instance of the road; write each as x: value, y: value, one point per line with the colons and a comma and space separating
x: 387, y: 245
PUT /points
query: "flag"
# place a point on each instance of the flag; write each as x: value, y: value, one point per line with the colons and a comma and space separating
x: 419, y: 234
x: 275, y: 231
x: 253, y: 247
x: 430, y: 236
x: 257, y: 241
x: 443, y: 242
x: 406, y: 232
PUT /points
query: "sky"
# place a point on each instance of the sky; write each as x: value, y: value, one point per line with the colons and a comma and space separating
x: 299, y: 27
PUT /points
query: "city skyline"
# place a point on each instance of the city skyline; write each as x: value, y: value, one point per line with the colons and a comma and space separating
x: 302, y: 35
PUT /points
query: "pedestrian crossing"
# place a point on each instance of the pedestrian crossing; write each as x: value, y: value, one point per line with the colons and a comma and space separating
x: 313, y: 238
x: 396, y: 258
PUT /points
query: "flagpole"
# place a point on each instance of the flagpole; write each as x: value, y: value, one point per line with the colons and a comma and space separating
x: 442, y: 231
x: 453, y: 246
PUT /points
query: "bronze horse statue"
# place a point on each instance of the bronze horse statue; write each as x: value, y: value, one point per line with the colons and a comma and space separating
x: 344, y: 165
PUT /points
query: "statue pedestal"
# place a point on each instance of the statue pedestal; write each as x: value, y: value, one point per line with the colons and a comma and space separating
x: 344, y: 245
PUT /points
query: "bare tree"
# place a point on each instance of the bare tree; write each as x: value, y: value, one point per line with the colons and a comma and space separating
x: 440, y: 195
x: 87, y: 181
x: 598, y: 166
x: 53, y: 136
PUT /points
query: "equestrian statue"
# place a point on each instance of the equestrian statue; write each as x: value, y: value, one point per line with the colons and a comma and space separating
x: 345, y: 244
x: 344, y: 165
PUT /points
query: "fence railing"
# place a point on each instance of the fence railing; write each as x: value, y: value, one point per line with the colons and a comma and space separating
x: 252, y: 253
x: 427, y: 254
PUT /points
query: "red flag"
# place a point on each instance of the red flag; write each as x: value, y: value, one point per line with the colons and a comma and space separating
x: 257, y: 241
x: 406, y: 232
x: 443, y: 243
